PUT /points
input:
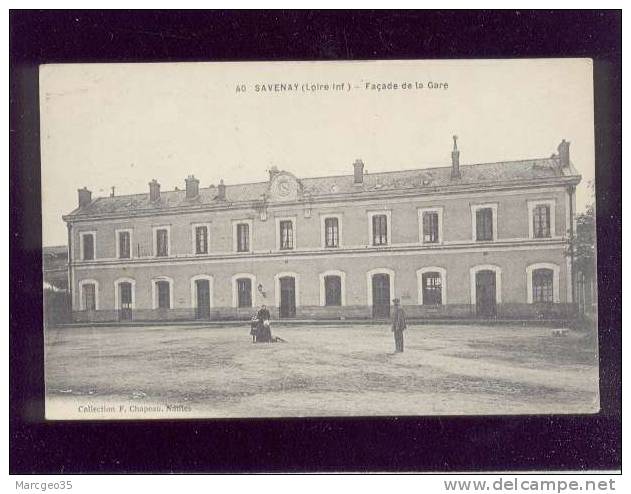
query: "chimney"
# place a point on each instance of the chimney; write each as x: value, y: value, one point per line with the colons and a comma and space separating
x: 154, y: 190
x: 192, y: 187
x: 221, y: 191
x: 358, y: 171
x: 564, y: 153
x: 455, y: 160
x: 85, y: 197
x: 273, y: 171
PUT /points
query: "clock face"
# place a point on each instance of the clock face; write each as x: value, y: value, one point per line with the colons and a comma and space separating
x: 284, y: 188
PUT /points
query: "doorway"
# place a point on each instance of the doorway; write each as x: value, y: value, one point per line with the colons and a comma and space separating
x: 381, y: 296
x: 203, y: 299
x: 287, y: 306
x: 125, y: 302
x: 485, y: 294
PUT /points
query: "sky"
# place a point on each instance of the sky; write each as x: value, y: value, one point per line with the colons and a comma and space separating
x: 121, y: 125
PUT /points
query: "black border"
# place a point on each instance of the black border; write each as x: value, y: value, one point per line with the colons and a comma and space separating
x: 496, y: 443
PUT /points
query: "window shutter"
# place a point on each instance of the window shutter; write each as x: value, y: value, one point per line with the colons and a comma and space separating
x: 426, y: 226
x: 479, y: 219
x: 547, y: 231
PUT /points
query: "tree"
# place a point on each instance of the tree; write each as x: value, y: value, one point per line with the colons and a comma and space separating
x: 582, y: 247
x: 584, y: 243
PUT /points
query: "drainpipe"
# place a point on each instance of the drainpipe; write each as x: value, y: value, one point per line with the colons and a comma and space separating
x: 571, y: 190
x: 70, y: 267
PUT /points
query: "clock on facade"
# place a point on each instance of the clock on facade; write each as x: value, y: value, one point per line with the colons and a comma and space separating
x: 284, y: 187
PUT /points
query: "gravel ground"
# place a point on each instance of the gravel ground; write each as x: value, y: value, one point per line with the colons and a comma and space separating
x: 182, y: 372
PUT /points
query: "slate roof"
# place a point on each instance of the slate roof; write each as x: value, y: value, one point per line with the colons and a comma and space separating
x: 484, y: 174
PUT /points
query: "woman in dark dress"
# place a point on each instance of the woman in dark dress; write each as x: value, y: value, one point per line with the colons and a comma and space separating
x: 263, y: 330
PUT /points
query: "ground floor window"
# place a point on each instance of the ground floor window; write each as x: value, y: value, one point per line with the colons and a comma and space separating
x: 542, y: 283
x: 88, y: 295
x: 332, y: 290
x: 543, y: 286
x: 124, y: 289
x: 432, y: 288
x: 163, y: 289
x: 244, y: 292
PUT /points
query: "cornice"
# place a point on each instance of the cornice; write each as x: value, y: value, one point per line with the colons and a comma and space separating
x: 354, y: 251
x: 330, y: 198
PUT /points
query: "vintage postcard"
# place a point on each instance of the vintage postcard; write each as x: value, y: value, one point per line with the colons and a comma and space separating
x: 296, y: 239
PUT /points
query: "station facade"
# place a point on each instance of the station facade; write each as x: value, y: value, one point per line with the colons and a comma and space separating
x: 472, y: 241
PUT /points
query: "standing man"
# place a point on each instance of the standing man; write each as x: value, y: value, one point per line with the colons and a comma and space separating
x: 398, y: 325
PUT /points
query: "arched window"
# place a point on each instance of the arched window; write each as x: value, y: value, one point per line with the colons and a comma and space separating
x: 542, y: 286
x: 287, y: 293
x: 162, y: 293
x: 125, y: 297
x: 243, y: 290
x: 89, y: 293
x: 205, y: 282
x: 380, y: 291
x: 332, y: 288
x: 202, y: 295
x: 432, y: 286
x: 486, y: 289
x: 542, y: 283
x: 124, y: 293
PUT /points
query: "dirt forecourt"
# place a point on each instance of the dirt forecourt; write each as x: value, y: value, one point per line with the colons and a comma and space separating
x: 322, y: 370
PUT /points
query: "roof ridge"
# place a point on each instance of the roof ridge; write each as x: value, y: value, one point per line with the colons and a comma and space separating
x: 329, y: 177
x: 407, y: 170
